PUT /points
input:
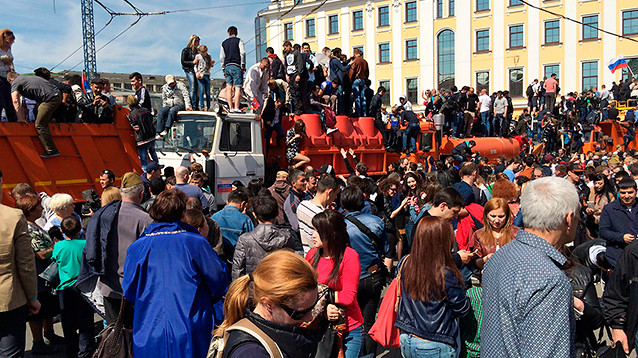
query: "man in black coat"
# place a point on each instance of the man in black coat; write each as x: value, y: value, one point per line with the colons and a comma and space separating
x: 374, y: 110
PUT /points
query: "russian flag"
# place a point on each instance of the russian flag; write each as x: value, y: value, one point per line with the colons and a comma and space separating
x: 617, y: 63
x: 86, y: 87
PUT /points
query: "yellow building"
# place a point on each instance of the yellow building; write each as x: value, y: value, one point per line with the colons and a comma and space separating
x: 413, y: 45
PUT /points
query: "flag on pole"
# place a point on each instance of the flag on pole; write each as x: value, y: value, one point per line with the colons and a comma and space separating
x: 617, y: 63
x: 86, y: 87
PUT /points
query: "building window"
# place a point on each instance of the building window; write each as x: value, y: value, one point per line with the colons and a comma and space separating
x: 482, y: 40
x: 288, y: 31
x: 310, y: 28
x: 516, y: 82
x: 590, y: 27
x: 590, y: 75
x: 515, y: 2
x: 384, y: 53
x: 451, y: 8
x: 439, y: 9
x: 410, y: 11
x: 552, y: 32
x: 482, y: 5
x: 412, y: 89
x: 549, y: 69
x: 482, y: 81
x: 445, y: 59
x: 333, y: 24
x: 630, y: 22
x: 411, y: 50
x: 516, y: 36
x: 385, y: 99
x: 260, y: 37
x: 357, y: 20
x: 384, y: 16
x: 633, y: 64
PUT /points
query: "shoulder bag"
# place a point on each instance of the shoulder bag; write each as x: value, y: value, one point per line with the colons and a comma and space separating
x: 116, y: 341
x: 383, y: 330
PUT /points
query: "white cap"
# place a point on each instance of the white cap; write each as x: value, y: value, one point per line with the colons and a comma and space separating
x: 169, y: 79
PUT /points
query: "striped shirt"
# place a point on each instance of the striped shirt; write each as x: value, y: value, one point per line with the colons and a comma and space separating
x: 305, y: 212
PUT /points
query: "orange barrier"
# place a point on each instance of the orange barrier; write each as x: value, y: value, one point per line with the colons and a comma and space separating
x: 86, y: 150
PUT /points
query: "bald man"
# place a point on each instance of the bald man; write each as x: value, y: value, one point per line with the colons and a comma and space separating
x: 181, y: 177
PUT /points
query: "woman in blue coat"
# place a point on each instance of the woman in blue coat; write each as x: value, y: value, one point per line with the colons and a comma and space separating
x: 174, y: 278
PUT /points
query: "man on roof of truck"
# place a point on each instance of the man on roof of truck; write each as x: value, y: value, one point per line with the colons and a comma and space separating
x: 181, y: 177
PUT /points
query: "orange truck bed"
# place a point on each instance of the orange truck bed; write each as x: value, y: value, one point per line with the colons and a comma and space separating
x: 85, y: 151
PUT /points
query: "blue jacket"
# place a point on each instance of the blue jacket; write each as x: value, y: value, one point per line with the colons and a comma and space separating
x: 232, y: 223
x: 101, y: 229
x: 362, y: 244
x: 435, y: 320
x: 337, y: 69
x: 615, y: 222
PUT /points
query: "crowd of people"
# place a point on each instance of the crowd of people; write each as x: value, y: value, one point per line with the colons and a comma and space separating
x: 484, y: 252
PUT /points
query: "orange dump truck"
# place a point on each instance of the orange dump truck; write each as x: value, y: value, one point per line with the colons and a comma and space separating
x: 609, y: 134
x: 85, y: 150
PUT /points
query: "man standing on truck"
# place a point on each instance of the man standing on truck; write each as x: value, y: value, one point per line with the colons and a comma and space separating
x: 297, y: 77
x: 49, y: 99
x: 232, y: 56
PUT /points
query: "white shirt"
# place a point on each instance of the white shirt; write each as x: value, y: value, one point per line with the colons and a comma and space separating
x: 256, y: 81
x: 486, y: 101
x: 306, y: 211
x: 5, y: 68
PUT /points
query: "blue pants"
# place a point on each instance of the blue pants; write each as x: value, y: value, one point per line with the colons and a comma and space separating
x: 459, y: 124
x: 485, y: 123
x: 411, y: 131
x: 192, y: 89
x: 498, y: 124
x: 358, y: 91
x: 143, y: 152
x: 413, y: 347
x: 340, y: 99
x: 166, y: 116
x: 203, y: 84
x: 268, y: 134
x: 352, y: 342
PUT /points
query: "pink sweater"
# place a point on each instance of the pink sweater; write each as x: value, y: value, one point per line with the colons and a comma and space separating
x: 346, y: 285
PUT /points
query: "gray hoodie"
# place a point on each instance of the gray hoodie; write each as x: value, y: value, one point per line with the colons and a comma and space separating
x: 253, y: 246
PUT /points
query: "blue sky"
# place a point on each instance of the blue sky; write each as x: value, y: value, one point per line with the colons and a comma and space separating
x: 44, y: 37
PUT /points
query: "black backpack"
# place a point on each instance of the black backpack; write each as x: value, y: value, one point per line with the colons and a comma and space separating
x: 530, y: 91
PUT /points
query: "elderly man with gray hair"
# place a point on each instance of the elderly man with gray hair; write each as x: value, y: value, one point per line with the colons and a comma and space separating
x: 528, y: 302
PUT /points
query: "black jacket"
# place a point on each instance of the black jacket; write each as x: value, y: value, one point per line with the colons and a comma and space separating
x: 293, y: 341
x: 434, y: 320
x: 143, y: 119
x: 621, y: 293
x: 374, y: 110
x: 277, y: 71
x: 188, y: 55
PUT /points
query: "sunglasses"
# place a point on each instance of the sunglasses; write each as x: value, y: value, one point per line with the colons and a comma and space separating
x: 297, y: 315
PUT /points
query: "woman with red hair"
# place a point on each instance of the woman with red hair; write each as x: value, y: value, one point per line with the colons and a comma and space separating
x: 496, y: 232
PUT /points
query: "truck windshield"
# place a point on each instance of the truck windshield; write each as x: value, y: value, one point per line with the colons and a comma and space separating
x: 190, y: 135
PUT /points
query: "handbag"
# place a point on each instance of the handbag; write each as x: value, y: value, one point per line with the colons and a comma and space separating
x: 116, y: 341
x: 331, y: 344
x: 383, y: 330
x: 51, y: 274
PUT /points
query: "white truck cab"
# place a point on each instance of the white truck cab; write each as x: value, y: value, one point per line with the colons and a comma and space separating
x: 229, y: 147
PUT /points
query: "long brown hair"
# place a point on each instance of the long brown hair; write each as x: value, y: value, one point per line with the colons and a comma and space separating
x: 488, y: 231
x: 331, y: 227
x: 300, y: 128
x: 282, y: 276
x: 424, y: 270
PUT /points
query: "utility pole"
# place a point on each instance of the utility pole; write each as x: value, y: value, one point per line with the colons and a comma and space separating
x: 88, y: 39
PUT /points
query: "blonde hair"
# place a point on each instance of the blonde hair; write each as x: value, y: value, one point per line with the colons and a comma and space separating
x: 487, y: 237
x: 109, y: 194
x: 282, y: 276
x: 191, y: 42
x: 60, y: 201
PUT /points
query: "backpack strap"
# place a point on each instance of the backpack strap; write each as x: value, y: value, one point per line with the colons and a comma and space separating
x: 246, y: 326
x: 374, y: 238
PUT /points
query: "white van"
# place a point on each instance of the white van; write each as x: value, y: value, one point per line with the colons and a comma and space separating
x: 229, y: 147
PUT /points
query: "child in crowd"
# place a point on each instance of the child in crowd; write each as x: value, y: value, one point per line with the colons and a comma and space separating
x: 77, y: 314
x: 203, y: 64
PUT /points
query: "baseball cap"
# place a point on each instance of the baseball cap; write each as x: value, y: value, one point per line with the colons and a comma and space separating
x: 131, y: 179
x: 326, y: 169
x: 153, y: 166
x: 169, y: 79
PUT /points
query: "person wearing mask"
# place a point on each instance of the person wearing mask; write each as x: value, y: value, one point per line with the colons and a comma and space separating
x: 339, y: 268
x: 232, y: 56
x: 275, y: 302
x: 432, y: 293
x: 253, y: 246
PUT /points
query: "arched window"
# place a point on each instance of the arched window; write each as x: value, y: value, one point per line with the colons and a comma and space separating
x: 445, y: 61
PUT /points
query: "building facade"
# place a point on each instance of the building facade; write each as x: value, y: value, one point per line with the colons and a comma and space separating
x: 413, y: 45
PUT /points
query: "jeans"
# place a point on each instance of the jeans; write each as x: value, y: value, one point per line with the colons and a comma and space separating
x: 143, y: 152
x: 166, y: 116
x: 352, y: 342
x: 459, y: 124
x: 203, y: 84
x: 77, y: 316
x: 268, y: 134
x: 485, y: 123
x: 192, y: 89
x: 234, y: 76
x: 368, y: 298
x: 340, y: 99
x: 358, y: 91
x: 411, y: 130
x: 413, y: 347
x: 498, y: 124
x: 13, y: 327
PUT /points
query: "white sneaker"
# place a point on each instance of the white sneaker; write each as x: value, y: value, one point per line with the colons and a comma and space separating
x: 164, y: 132
x: 235, y: 111
x: 331, y: 130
